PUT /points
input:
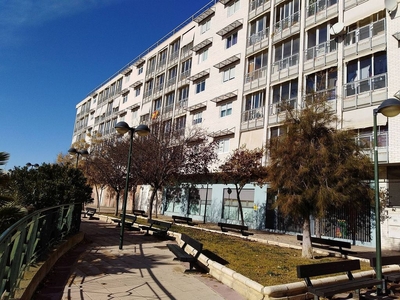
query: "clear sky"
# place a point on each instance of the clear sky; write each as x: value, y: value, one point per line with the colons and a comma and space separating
x: 54, y: 52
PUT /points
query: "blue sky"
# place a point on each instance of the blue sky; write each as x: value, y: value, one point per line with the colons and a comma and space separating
x: 54, y: 52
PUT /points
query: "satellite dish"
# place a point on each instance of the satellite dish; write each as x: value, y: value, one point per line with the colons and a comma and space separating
x: 337, y: 28
x: 390, y: 5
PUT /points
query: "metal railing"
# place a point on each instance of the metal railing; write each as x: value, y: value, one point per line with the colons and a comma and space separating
x: 27, y: 241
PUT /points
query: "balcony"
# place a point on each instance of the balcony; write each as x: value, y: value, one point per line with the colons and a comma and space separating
x: 352, y: 3
x: 286, y: 27
x: 252, y: 119
x: 255, y: 79
x: 367, y: 39
x: 321, y: 55
x: 257, y: 41
x: 257, y: 7
x: 328, y: 95
x: 276, y: 110
x: 366, y: 141
x: 365, y: 92
x: 321, y: 10
x: 286, y: 67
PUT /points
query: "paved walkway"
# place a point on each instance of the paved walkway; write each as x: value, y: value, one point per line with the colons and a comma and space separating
x: 144, y: 269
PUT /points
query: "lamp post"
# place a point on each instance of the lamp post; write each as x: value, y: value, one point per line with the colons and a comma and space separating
x: 389, y: 108
x: 141, y: 130
x: 72, y: 151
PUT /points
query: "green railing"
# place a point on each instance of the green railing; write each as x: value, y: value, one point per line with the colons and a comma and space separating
x: 29, y: 240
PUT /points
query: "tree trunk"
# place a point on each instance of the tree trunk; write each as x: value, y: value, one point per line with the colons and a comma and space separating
x: 307, y: 250
x: 116, y: 204
x: 153, y: 194
x: 239, y: 203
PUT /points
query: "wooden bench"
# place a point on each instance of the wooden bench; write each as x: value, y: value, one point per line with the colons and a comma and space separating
x: 129, y: 221
x: 90, y: 212
x: 138, y: 212
x: 181, y: 219
x: 330, y: 243
x: 243, y: 229
x: 328, y: 290
x: 388, y: 260
x: 181, y: 252
x: 159, y: 228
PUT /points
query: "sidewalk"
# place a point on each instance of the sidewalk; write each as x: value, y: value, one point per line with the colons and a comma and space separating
x: 144, y: 269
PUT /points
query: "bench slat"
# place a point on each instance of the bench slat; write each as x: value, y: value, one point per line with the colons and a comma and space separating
x: 235, y: 227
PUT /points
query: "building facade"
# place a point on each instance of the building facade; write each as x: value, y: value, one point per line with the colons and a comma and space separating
x: 230, y: 66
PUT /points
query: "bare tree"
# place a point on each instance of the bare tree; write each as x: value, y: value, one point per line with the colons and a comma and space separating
x: 168, y: 154
x: 243, y: 166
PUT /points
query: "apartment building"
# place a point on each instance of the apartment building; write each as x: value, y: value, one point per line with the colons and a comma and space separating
x: 230, y: 65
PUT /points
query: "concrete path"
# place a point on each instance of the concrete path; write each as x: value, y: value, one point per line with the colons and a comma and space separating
x: 144, y: 269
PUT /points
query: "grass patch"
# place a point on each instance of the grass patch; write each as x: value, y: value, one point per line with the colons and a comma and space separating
x: 265, y: 264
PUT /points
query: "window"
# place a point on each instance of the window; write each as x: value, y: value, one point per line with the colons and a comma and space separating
x: 183, y: 93
x: 160, y: 82
x: 231, y: 40
x: 140, y: 70
x: 169, y: 102
x: 226, y: 109
x: 197, y: 118
x: 172, y: 75
x: 152, y: 65
x: 319, y: 42
x: 284, y: 94
x: 125, y: 98
x: 157, y: 105
x: 322, y: 82
x: 128, y: 77
x: 255, y: 100
x: 258, y: 30
x: 256, y: 66
x: 233, y: 7
x: 203, y: 55
x: 366, y: 73
x: 229, y: 74
x: 186, y: 66
x: 365, y: 29
x: 287, y: 14
x: 287, y: 54
x: 180, y: 123
x: 223, y: 145
x: 137, y: 91
x: 200, y: 86
x: 206, y: 25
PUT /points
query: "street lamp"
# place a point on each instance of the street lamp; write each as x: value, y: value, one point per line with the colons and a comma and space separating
x: 72, y: 151
x: 389, y: 108
x: 141, y: 130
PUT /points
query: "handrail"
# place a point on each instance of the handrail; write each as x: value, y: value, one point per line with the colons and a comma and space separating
x: 29, y: 239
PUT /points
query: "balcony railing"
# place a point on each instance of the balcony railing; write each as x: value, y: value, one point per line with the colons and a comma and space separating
x: 252, y: 118
x: 321, y: 49
x: 257, y: 3
x: 366, y: 141
x: 256, y: 74
x: 276, y: 108
x: 318, y: 6
x: 184, y: 74
x: 286, y: 63
x: 366, y: 32
x: 327, y: 94
x: 287, y: 22
x: 365, y: 85
x: 258, y: 37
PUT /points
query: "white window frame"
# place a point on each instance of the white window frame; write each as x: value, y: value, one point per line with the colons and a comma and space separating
x: 200, y: 86
x: 225, y: 109
x: 233, y: 7
x: 232, y: 40
x: 223, y: 145
x: 205, y: 26
x: 125, y: 98
x: 198, y: 118
x: 228, y: 74
x: 202, y: 55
